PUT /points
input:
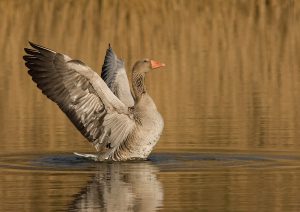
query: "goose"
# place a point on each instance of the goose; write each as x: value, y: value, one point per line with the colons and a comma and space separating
x: 121, y: 124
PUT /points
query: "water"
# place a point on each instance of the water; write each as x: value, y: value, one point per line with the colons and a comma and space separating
x: 170, y: 181
x: 229, y: 96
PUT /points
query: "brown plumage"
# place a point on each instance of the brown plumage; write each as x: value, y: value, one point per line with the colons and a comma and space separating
x: 120, y: 126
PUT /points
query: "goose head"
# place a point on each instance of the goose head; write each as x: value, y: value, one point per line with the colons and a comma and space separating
x: 146, y: 65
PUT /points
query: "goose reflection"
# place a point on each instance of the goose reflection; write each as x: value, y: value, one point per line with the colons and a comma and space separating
x: 131, y: 186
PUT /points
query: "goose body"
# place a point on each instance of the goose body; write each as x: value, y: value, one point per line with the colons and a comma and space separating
x: 121, y: 124
x: 146, y: 134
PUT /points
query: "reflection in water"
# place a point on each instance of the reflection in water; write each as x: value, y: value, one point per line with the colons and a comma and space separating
x: 187, y: 182
x: 121, y: 187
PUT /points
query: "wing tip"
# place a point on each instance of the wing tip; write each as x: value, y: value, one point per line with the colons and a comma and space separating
x: 28, y: 50
x: 39, y: 47
x: 109, y: 50
x: 33, y: 45
x: 27, y: 58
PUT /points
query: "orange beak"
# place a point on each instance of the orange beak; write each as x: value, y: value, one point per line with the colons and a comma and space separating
x: 156, y: 64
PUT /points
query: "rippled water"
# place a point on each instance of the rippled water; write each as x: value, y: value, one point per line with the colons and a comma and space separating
x: 211, y: 181
x: 229, y: 96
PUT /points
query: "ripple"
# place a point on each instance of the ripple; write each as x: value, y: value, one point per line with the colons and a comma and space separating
x: 164, y: 161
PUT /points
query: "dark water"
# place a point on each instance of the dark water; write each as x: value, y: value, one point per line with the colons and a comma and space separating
x: 229, y: 97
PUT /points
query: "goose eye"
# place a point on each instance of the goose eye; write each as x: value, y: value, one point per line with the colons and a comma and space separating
x: 145, y: 61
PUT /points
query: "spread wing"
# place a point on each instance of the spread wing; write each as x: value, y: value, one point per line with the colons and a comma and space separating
x: 83, y: 96
x: 114, y: 75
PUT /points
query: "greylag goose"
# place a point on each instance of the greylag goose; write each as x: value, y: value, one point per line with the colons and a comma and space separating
x: 121, y: 125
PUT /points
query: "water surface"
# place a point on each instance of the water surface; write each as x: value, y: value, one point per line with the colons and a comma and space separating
x: 165, y: 181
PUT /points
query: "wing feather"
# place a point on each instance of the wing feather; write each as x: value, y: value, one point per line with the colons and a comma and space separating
x: 83, y: 96
x: 114, y: 75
